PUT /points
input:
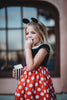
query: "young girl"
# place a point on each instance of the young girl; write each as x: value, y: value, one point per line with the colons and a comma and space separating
x: 35, y: 82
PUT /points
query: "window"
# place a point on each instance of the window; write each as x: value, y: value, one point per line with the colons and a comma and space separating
x: 47, y: 19
x: 12, y: 35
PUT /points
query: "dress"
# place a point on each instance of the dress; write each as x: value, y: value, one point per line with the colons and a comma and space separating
x: 36, y: 85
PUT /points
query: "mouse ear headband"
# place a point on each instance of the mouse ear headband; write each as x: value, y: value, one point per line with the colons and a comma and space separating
x: 26, y: 21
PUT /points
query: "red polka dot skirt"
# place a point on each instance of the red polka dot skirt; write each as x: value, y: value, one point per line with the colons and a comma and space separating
x: 35, y: 85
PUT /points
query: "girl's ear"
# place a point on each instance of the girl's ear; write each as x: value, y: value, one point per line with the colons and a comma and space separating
x: 34, y: 20
x: 25, y: 20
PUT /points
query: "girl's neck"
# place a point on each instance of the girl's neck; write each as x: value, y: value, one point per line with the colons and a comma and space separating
x: 36, y: 44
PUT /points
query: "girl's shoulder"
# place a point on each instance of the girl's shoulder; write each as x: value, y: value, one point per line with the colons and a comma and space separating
x: 46, y: 46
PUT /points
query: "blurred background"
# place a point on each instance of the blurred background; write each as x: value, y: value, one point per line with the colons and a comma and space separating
x: 12, y: 40
x: 12, y: 36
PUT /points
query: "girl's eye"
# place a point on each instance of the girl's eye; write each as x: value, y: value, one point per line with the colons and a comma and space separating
x: 33, y: 33
x: 27, y: 33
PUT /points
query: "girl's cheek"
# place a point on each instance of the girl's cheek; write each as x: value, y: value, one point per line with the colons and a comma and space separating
x: 26, y: 38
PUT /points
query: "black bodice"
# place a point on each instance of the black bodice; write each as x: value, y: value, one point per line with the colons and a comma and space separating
x: 37, y: 48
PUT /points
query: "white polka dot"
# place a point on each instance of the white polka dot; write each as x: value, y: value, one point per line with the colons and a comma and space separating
x: 40, y: 74
x: 28, y: 80
x: 44, y: 78
x: 47, y: 81
x: 25, y: 72
x: 50, y: 87
x: 37, y: 76
x: 34, y: 92
x: 44, y: 98
x: 40, y: 82
x: 25, y: 95
x: 41, y: 78
x: 36, y: 72
x: 21, y: 98
x: 32, y: 78
x: 52, y: 94
x: 41, y: 93
x: 37, y: 96
x: 46, y: 69
x: 20, y: 87
x: 47, y: 90
x: 47, y: 95
x: 44, y: 91
x: 51, y: 98
x: 36, y: 84
x: 42, y: 71
x: 30, y: 85
x: 18, y: 94
x: 19, y: 82
x: 22, y: 79
x: 26, y: 88
x: 29, y: 73
x: 31, y: 97
x: 23, y: 69
x: 39, y: 89
x: 48, y: 77
x: 22, y: 91
x: 23, y: 84
x: 44, y: 83
x: 40, y: 67
x: 26, y: 76
x: 29, y: 93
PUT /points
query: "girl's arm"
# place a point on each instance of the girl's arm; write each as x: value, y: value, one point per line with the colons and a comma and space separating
x: 32, y: 64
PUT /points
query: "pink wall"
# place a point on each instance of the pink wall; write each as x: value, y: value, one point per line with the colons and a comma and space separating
x: 61, y: 5
x: 8, y: 86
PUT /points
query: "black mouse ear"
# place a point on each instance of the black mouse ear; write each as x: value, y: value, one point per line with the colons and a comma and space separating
x: 25, y: 20
x: 34, y: 20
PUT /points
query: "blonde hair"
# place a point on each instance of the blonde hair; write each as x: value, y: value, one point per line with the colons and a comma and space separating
x: 45, y: 35
x: 41, y: 30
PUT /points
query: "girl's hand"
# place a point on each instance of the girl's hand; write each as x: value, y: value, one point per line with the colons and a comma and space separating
x: 13, y: 73
x: 29, y: 43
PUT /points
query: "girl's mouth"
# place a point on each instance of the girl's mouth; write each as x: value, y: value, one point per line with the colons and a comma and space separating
x: 32, y: 39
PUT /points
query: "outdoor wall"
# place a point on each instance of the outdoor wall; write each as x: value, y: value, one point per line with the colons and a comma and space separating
x: 61, y: 5
x: 8, y: 86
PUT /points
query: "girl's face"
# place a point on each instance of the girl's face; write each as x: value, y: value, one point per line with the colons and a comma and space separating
x: 31, y: 34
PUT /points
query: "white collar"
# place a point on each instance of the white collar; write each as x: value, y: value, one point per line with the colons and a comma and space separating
x: 36, y: 46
